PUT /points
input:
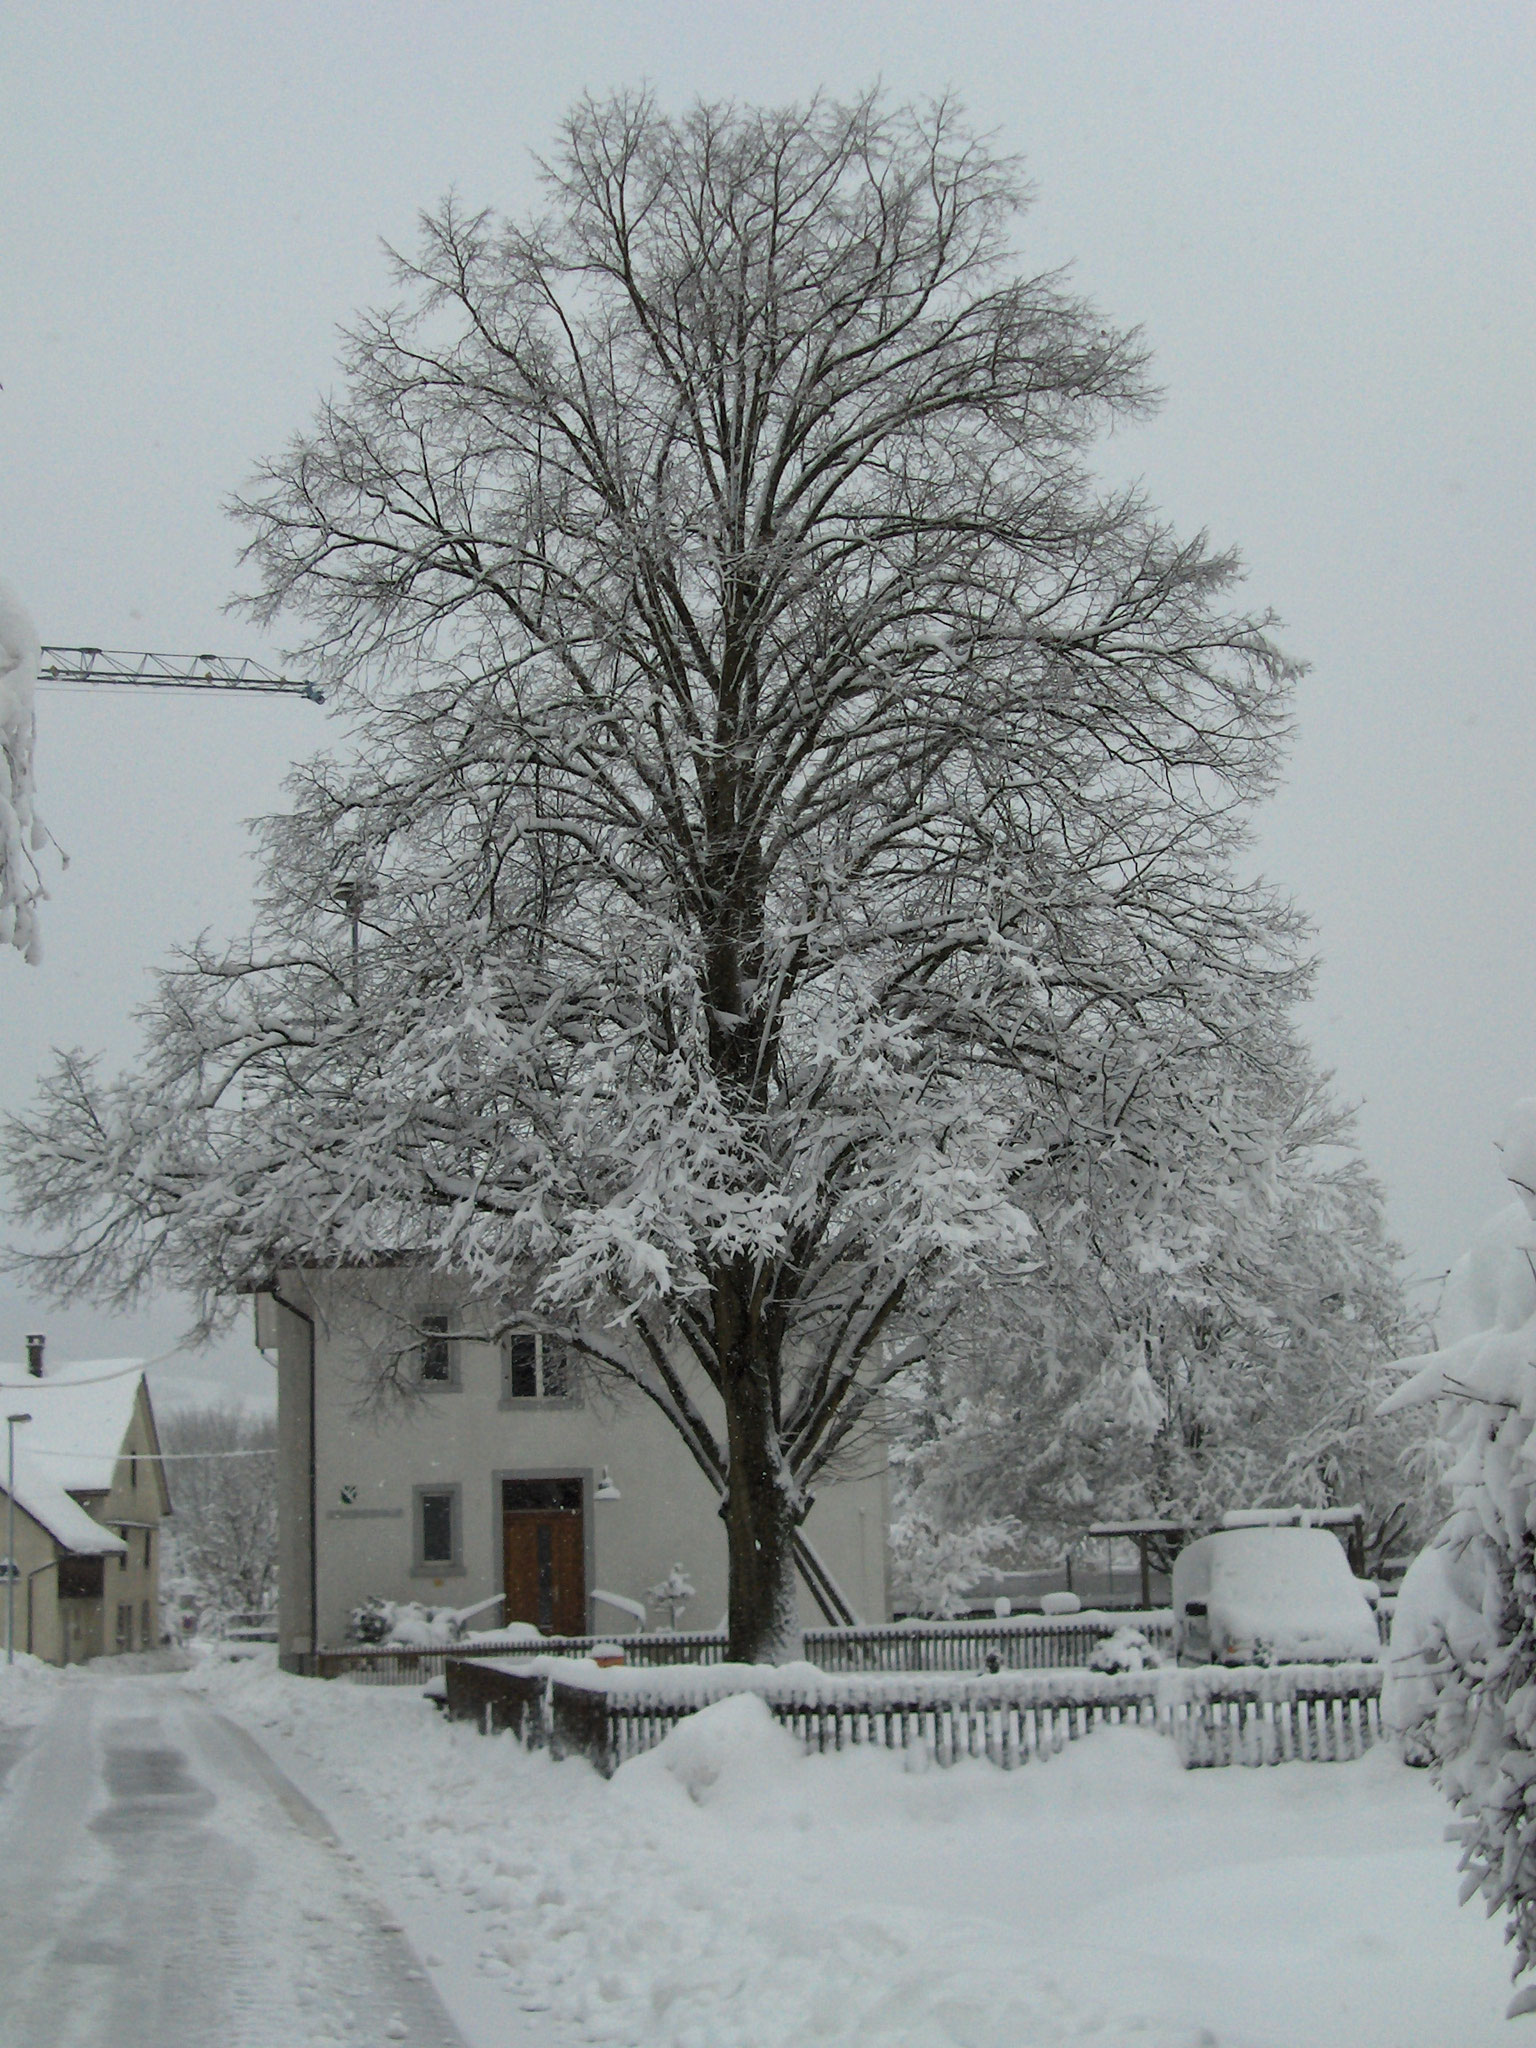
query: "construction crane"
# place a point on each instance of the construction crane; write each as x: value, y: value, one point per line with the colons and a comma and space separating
x: 169, y: 671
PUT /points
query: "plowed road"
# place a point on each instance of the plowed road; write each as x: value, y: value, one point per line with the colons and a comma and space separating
x: 162, y: 1885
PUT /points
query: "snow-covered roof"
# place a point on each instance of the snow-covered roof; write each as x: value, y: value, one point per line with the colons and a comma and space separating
x: 80, y: 1415
x: 51, y: 1507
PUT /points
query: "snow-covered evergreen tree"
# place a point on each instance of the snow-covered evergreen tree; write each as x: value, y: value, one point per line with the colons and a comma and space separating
x: 794, y: 816
x: 1483, y: 1383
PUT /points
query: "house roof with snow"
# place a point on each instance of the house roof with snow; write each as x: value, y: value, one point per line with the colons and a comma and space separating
x: 64, y: 1519
x: 80, y: 1414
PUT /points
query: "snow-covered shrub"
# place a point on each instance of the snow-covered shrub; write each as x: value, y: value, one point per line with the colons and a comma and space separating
x: 370, y: 1622
x: 1128, y: 1649
x: 1476, y: 1710
x: 936, y: 1568
x: 404, y: 1624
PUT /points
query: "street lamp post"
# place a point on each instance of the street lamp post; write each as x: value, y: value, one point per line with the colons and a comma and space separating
x: 10, y: 1533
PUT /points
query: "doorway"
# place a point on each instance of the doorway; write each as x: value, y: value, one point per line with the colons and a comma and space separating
x: 544, y: 1554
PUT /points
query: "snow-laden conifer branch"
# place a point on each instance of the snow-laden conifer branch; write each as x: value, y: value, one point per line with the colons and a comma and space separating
x: 1476, y: 1600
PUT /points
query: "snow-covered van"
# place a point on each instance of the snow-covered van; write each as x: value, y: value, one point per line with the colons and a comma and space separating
x: 1270, y: 1596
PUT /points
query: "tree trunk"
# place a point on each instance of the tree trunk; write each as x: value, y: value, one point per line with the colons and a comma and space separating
x: 762, y: 1509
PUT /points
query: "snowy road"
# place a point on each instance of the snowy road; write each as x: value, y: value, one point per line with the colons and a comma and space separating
x: 162, y: 1885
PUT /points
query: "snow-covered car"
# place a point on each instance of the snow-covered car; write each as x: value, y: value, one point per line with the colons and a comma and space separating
x: 1270, y: 1596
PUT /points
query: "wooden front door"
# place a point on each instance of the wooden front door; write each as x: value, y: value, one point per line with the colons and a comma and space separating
x: 545, y: 1556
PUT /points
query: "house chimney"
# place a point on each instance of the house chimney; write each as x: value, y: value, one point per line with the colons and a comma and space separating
x: 35, y: 1345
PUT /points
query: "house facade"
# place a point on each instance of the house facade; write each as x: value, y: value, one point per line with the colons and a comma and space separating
x: 490, y: 1471
x: 90, y: 1499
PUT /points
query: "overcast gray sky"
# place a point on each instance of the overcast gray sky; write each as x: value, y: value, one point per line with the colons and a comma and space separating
x: 1322, y: 216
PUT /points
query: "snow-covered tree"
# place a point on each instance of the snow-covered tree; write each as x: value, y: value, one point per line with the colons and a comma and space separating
x: 224, y: 1495
x: 793, y: 814
x: 1482, y: 1676
x: 674, y: 1593
x: 935, y: 1568
x: 22, y: 833
x: 1206, y: 1324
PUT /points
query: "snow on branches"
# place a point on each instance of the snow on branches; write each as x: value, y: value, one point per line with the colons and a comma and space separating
x: 1208, y: 1312
x: 22, y: 833
x: 795, y: 807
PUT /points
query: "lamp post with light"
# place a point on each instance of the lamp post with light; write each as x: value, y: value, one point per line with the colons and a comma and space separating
x: 11, y: 1574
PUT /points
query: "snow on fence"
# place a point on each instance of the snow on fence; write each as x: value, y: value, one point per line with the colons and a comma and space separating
x: 1018, y: 1643
x: 1303, y: 1713
x: 385, y: 1665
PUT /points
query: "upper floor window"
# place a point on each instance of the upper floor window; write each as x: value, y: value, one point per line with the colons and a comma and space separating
x: 436, y: 1352
x: 438, y: 1536
x: 534, y: 1368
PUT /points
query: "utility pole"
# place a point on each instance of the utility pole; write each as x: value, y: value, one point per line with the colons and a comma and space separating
x: 11, y: 1572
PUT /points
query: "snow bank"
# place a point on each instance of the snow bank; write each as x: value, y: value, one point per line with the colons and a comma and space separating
x: 22, y: 832
x: 26, y: 1688
x: 727, y: 1892
x: 735, y: 1745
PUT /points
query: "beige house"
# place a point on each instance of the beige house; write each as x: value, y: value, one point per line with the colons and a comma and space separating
x: 90, y: 1498
x: 488, y: 1473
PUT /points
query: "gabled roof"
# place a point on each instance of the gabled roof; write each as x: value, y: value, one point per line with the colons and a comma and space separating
x: 52, y: 1509
x: 80, y: 1416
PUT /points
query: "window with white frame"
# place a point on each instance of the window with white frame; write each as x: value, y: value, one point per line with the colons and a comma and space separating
x: 534, y: 1368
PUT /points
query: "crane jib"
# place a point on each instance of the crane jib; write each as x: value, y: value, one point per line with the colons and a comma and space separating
x: 169, y: 671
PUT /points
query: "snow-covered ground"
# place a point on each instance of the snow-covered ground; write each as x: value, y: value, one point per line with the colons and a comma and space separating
x: 727, y: 1892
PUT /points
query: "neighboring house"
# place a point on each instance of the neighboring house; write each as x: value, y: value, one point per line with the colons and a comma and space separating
x: 90, y: 1498
x: 488, y: 1473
